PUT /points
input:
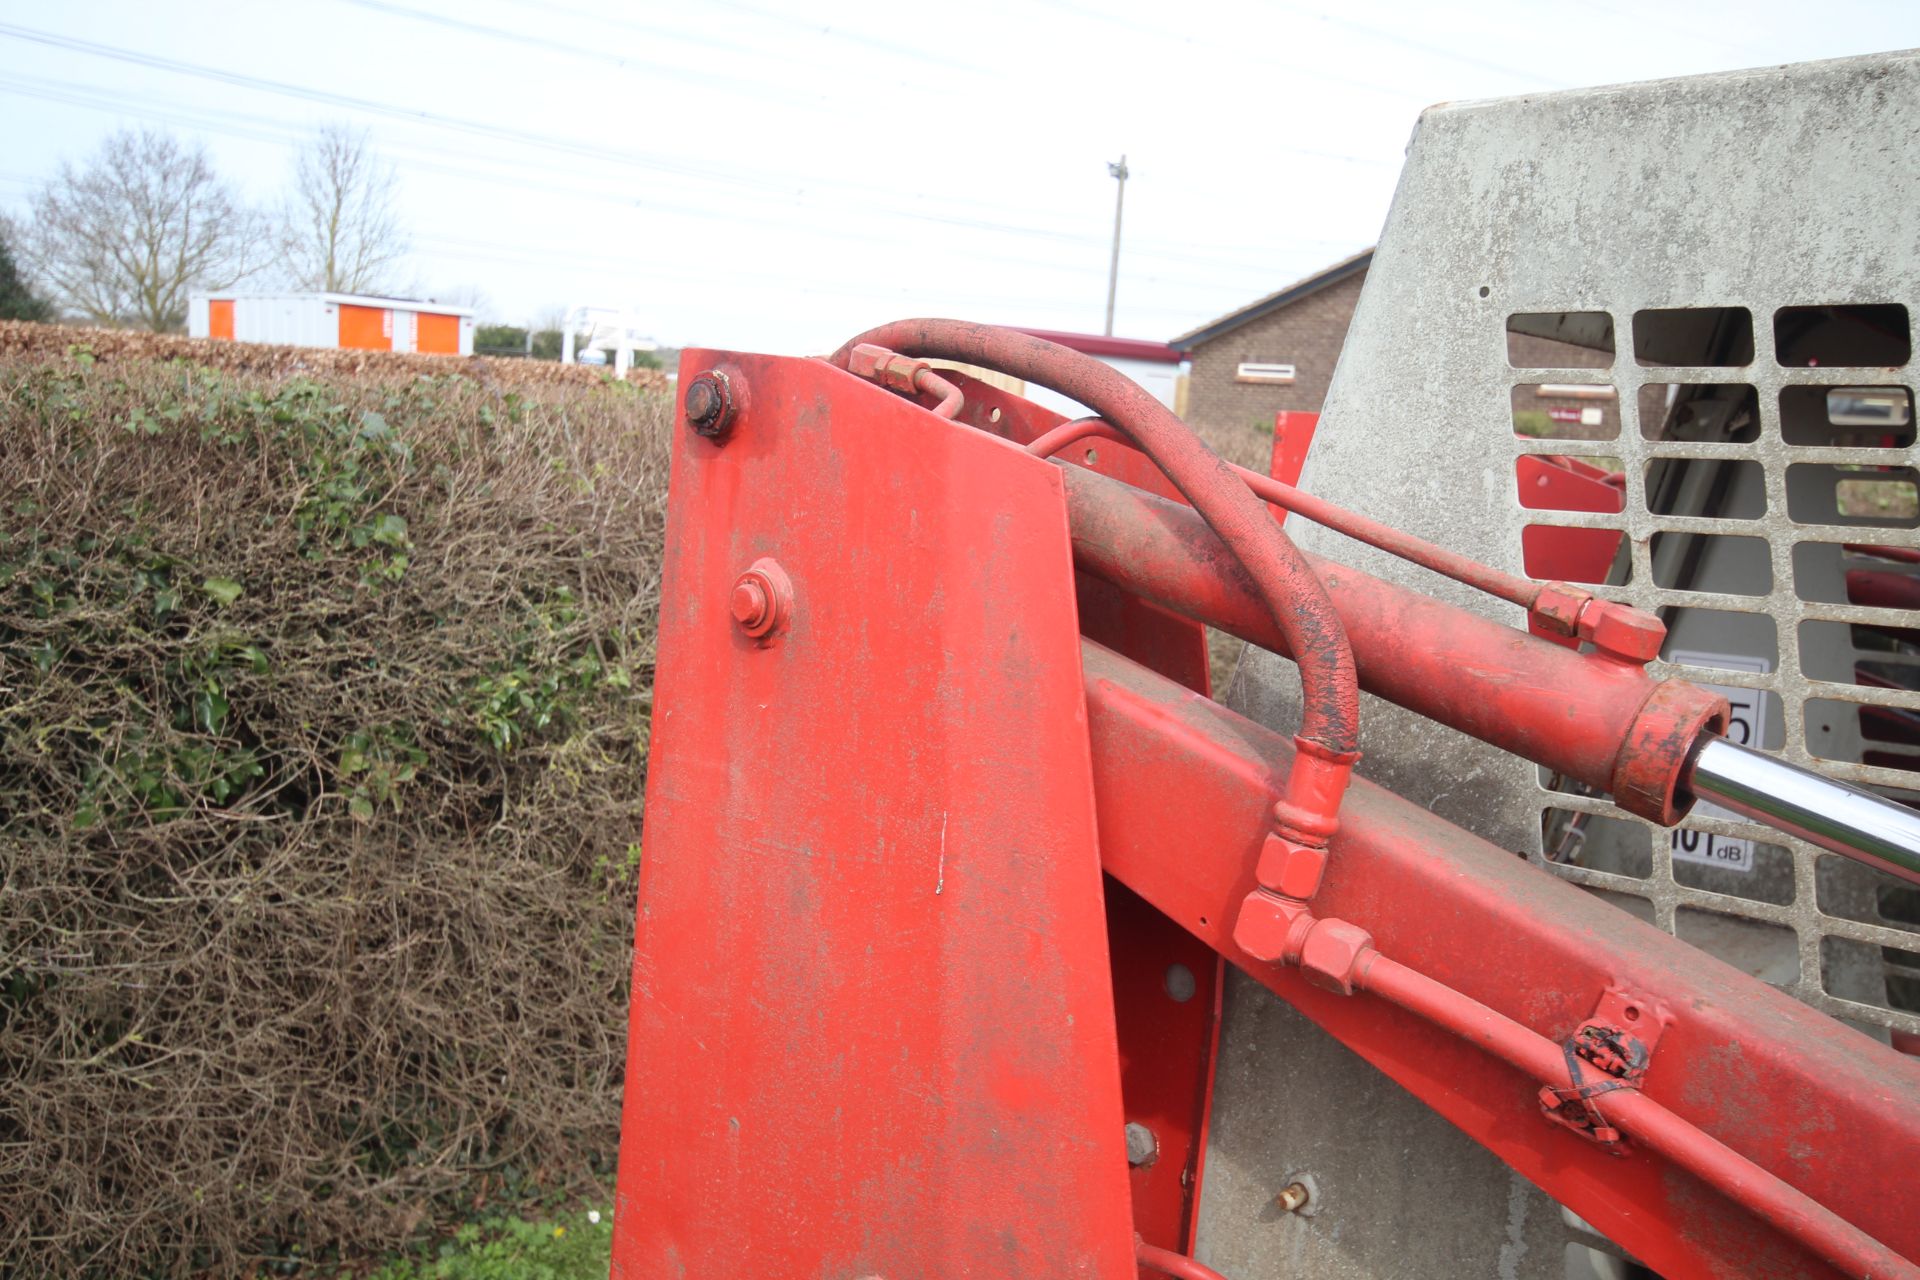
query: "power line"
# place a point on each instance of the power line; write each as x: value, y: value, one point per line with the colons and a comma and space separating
x: 548, y: 145
x: 290, y: 135
x: 600, y: 18
x: 349, y: 102
x: 544, y: 142
x: 1424, y: 46
x: 522, y: 39
x: 250, y: 126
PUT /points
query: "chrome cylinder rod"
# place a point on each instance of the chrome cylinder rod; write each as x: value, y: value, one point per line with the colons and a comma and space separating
x: 1845, y: 820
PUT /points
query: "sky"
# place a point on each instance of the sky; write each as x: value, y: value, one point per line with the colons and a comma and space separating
x: 774, y: 176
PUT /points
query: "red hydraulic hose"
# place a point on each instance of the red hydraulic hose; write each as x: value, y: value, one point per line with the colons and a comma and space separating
x: 1169, y: 1263
x: 950, y: 398
x: 1291, y: 592
x: 1679, y: 1140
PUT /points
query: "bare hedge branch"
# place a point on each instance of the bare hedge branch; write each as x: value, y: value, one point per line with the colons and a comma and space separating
x: 323, y: 717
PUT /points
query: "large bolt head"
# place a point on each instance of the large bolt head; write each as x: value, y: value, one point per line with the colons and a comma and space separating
x: 709, y: 403
x: 1332, y: 953
x: 762, y: 600
x: 750, y: 603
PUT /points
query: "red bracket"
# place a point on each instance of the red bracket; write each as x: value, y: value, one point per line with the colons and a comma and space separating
x: 1609, y: 1051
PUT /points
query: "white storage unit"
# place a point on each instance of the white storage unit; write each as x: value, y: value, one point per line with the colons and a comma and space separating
x: 338, y: 320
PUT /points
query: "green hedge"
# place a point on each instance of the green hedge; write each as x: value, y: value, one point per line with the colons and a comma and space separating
x: 323, y: 718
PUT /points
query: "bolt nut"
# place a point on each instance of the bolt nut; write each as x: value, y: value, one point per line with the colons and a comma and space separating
x: 762, y: 600
x: 709, y: 404
x: 1331, y: 955
x: 1142, y: 1147
x: 1266, y: 925
x: 1289, y: 868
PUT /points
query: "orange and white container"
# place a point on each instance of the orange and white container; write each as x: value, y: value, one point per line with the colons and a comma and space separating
x: 344, y: 321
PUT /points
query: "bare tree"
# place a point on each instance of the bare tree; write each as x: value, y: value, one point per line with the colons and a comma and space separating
x: 341, y: 230
x: 123, y: 241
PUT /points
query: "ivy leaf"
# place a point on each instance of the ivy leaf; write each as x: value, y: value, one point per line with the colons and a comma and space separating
x: 223, y: 590
x: 210, y: 711
x: 390, y: 530
x: 361, y: 807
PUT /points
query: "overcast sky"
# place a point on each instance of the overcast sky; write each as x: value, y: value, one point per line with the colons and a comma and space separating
x: 776, y: 176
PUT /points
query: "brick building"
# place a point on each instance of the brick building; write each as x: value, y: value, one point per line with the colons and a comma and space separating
x: 1279, y: 352
x: 1273, y: 354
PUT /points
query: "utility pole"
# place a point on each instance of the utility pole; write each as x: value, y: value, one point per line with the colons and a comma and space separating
x: 1113, y: 272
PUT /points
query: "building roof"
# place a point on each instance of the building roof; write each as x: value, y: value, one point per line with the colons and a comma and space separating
x: 1286, y: 297
x: 1095, y: 344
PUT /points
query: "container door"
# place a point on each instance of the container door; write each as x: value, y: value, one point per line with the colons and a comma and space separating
x: 437, y: 335
x: 365, y: 328
x: 220, y: 318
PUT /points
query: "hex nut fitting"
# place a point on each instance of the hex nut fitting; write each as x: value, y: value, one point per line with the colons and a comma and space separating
x: 709, y: 404
x: 762, y: 600
x: 1332, y: 954
x: 1270, y: 927
x: 1289, y: 868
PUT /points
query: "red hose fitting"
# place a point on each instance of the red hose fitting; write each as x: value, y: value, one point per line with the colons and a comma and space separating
x: 1309, y: 810
x: 1334, y: 954
x: 907, y: 376
x: 1272, y: 928
x: 1290, y: 868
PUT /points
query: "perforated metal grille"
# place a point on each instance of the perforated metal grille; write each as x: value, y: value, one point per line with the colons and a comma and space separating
x: 1836, y: 935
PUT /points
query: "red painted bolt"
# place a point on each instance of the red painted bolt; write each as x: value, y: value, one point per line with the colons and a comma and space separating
x: 749, y: 603
x: 762, y: 600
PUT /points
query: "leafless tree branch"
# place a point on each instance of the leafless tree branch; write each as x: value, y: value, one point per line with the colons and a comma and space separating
x: 341, y: 230
x: 124, y: 240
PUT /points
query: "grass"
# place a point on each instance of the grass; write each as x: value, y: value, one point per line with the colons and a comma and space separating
x: 576, y: 1246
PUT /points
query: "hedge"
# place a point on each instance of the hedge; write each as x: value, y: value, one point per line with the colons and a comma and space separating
x: 323, y: 721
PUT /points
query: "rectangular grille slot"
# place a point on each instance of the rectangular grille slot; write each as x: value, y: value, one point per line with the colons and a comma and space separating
x: 1862, y: 335
x: 1705, y: 337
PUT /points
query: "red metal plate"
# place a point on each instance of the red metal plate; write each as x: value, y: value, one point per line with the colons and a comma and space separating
x: 1166, y: 999
x: 871, y: 1030
x: 1168, y: 1047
